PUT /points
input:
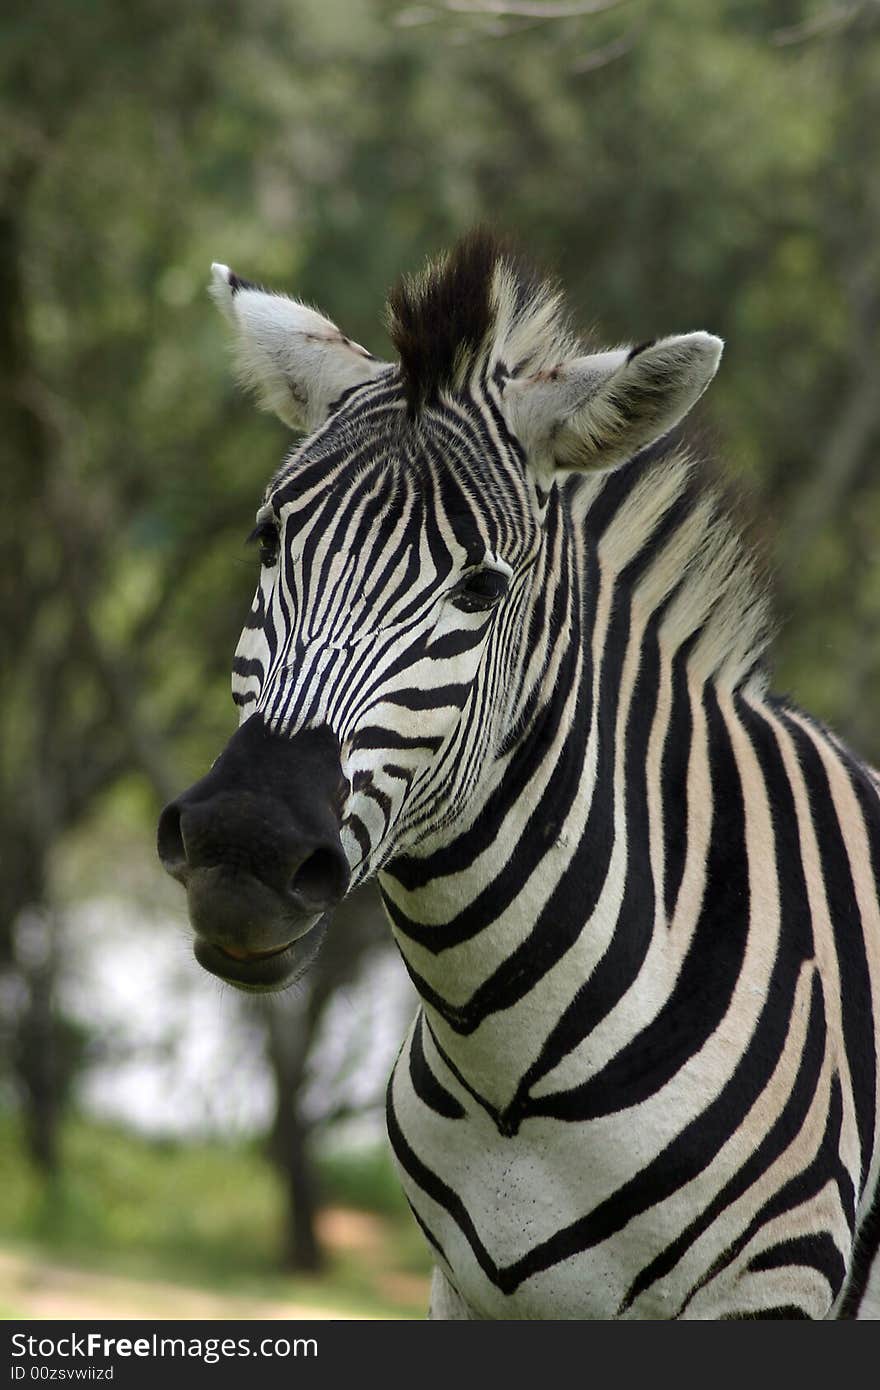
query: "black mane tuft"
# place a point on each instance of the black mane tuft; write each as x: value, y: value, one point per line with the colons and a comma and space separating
x: 440, y: 319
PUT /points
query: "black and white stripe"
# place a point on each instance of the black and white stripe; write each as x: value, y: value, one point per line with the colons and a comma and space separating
x: 637, y: 893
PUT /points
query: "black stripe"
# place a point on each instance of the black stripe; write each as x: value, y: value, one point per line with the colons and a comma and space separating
x: 441, y: 1193
x: 865, y: 1252
x: 817, y: 1251
x: 247, y: 666
x: 783, y: 1312
x: 455, y: 643
x: 376, y: 737
x: 843, y: 908
x: 435, y: 697
x: 701, y: 994
x: 804, y: 1186
x: 720, y: 1120
x: 359, y: 831
x: 424, y: 1082
x: 867, y: 1246
x: 673, y: 781
x: 760, y: 1057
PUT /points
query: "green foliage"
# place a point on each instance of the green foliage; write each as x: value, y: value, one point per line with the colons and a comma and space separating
x: 362, y: 1178
x: 709, y: 176
x: 199, y: 1210
x: 204, y: 1214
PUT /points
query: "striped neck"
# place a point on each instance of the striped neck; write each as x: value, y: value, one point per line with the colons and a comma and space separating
x: 497, y: 909
x: 546, y: 901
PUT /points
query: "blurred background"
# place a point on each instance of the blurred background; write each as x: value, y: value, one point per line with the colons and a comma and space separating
x: 168, y: 1147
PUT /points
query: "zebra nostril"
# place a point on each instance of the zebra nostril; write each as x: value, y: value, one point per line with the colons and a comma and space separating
x: 169, y: 842
x: 320, y: 881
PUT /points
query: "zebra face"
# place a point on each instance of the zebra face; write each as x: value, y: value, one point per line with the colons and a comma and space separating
x: 388, y: 612
x: 402, y: 553
x: 389, y: 609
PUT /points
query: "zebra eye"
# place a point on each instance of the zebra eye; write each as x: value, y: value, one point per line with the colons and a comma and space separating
x: 480, y: 591
x: 265, y: 535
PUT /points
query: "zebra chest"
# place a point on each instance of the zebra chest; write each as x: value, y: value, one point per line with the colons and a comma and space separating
x: 503, y: 1211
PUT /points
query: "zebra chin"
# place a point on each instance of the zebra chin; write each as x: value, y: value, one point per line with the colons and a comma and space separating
x: 247, y: 933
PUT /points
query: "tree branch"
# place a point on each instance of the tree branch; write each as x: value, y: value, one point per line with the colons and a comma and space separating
x: 603, y: 57
x: 834, y: 18
x: 512, y: 9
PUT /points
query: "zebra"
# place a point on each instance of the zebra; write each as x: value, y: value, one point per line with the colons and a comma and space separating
x: 507, y: 655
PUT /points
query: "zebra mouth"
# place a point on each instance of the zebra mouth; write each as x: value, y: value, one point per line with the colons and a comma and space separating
x: 235, y: 954
x: 262, y: 972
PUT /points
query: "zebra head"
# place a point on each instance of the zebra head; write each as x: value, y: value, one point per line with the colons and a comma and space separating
x: 409, y: 549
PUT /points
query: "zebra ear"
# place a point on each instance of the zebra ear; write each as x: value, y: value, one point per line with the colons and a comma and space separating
x: 297, y: 361
x: 597, y: 411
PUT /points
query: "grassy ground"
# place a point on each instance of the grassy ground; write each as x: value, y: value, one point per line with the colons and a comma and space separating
x: 205, y: 1218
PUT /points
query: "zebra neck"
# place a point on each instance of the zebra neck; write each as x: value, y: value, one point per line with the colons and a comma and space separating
x: 530, y: 912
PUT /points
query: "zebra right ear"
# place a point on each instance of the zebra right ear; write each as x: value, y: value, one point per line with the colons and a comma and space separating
x: 297, y: 361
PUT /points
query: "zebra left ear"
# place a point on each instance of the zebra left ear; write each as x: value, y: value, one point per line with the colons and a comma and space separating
x: 297, y: 361
x: 597, y: 411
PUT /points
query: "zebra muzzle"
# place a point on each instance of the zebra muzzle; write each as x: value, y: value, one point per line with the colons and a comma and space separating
x: 256, y: 845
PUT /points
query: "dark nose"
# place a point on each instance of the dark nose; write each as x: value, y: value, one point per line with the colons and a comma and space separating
x: 256, y: 842
x: 254, y: 836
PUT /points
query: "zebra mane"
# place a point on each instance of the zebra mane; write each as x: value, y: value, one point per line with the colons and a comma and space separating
x: 695, y: 572
x: 473, y: 307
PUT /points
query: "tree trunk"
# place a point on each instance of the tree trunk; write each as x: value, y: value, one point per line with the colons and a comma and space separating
x: 291, y: 1024
x: 28, y: 945
x: 38, y: 1061
x: 289, y: 1037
